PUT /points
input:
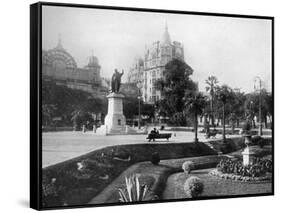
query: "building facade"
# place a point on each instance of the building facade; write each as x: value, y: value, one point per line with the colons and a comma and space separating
x: 146, y: 71
x: 58, y: 65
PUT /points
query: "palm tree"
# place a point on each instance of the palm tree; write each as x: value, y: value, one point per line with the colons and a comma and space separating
x: 211, y: 87
x: 224, y: 94
x: 195, y: 104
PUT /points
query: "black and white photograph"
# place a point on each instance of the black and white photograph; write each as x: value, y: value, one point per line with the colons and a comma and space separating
x: 148, y: 106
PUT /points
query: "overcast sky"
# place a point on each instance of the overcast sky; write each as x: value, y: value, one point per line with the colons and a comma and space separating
x: 233, y: 49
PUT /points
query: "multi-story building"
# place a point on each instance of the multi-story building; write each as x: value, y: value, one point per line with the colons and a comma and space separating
x: 58, y: 65
x: 150, y: 69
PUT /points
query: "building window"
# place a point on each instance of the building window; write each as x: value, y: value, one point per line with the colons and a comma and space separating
x: 119, y: 122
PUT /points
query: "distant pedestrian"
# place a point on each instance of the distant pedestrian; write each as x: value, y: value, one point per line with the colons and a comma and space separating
x: 83, y: 128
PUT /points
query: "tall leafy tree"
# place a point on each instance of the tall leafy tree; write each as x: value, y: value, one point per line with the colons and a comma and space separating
x: 195, y: 104
x: 251, y: 106
x: 175, y: 84
x: 69, y: 104
x: 212, y: 86
x: 224, y: 95
x: 237, y: 107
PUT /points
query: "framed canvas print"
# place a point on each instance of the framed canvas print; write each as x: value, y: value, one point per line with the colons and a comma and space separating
x: 133, y: 105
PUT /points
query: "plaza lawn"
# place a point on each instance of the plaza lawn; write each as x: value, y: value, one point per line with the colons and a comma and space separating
x: 154, y: 176
x: 213, y: 186
x: 80, y: 180
x: 65, y: 184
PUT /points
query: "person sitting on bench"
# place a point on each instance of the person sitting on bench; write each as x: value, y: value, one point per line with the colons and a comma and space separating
x: 154, y: 132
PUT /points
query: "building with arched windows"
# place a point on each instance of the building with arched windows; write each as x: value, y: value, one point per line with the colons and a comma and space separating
x: 58, y: 65
x: 146, y: 71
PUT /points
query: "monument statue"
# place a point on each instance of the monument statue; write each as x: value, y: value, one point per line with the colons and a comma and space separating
x: 116, y: 81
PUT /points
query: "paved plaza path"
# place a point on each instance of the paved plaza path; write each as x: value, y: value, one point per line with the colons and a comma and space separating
x: 61, y: 146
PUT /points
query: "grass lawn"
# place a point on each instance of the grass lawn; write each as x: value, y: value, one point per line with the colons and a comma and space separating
x: 77, y: 187
x: 68, y: 183
x: 213, y: 186
x: 154, y: 176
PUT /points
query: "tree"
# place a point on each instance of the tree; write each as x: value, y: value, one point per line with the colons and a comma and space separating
x: 175, y: 84
x: 211, y: 87
x: 268, y: 108
x: 224, y: 95
x: 251, y: 106
x: 48, y: 111
x: 147, y: 110
x: 195, y: 104
x: 237, y: 107
x: 61, y: 101
x: 130, y: 105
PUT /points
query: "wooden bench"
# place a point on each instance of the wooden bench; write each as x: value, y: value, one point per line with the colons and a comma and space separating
x: 153, y: 136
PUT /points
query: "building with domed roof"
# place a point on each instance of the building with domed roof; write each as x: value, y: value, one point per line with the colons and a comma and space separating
x: 58, y: 65
x: 146, y: 71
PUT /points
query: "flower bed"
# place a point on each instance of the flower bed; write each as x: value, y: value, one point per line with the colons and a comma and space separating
x: 234, y: 177
x: 260, y: 170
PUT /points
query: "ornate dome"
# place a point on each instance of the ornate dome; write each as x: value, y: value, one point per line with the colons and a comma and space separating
x: 59, y: 54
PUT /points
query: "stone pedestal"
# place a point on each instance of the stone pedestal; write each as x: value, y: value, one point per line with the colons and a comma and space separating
x: 115, y: 121
x: 248, y: 156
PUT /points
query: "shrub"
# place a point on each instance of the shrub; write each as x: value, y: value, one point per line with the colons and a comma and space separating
x: 246, y: 128
x: 122, y: 154
x: 258, y: 140
x: 187, y: 166
x: 193, y: 186
x: 257, y: 169
x: 133, y: 191
x: 155, y: 158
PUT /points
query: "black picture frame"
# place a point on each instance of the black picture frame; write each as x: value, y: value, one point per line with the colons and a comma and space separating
x: 36, y: 99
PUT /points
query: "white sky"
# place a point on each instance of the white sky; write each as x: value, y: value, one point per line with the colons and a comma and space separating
x: 233, y: 49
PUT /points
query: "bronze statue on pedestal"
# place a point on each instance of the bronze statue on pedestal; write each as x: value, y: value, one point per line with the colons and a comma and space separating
x: 116, y: 81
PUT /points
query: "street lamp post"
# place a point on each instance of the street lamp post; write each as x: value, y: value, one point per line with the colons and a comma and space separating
x: 260, y: 121
x: 139, y: 102
x: 139, y: 117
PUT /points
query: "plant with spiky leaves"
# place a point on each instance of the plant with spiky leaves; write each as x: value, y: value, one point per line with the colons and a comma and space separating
x: 134, y: 191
